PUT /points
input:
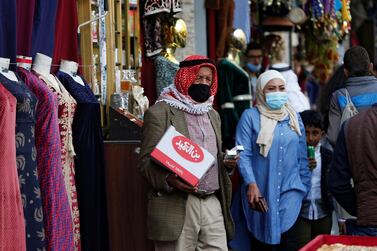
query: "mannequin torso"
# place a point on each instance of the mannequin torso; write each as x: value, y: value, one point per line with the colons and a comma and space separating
x: 70, y: 68
x: 42, y: 66
x: 4, y: 69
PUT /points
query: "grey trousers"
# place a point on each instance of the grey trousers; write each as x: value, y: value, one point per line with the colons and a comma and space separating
x: 203, y: 228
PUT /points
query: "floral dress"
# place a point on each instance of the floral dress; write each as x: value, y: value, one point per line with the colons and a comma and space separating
x: 66, y: 112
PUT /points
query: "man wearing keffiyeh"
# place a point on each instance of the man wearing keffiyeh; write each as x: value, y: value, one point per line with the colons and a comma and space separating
x: 182, y: 217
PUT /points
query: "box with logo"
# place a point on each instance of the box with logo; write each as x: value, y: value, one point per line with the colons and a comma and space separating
x: 182, y: 156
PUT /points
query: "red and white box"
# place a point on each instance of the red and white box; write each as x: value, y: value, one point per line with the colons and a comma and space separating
x: 182, y: 156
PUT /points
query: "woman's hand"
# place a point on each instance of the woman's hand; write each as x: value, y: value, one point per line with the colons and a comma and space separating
x: 253, y: 195
x: 174, y: 181
x: 231, y: 163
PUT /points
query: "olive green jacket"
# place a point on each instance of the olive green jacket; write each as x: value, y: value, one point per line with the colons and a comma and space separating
x: 166, y: 209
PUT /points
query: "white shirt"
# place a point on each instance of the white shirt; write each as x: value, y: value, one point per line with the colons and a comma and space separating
x: 315, y: 190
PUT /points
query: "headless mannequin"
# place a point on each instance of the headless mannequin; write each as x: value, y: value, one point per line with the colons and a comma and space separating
x: 24, y: 62
x: 4, y: 70
x: 233, y: 92
x: 42, y: 66
x: 70, y: 67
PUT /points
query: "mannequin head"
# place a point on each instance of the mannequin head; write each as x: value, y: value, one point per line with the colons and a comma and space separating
x: 275, y: 48
x: 174, y: 36
x: 237, y: 40
x: 175, y: 33
x: 237, y: 45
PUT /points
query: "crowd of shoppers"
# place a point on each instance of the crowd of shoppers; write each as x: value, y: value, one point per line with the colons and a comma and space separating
x: 293, y: 167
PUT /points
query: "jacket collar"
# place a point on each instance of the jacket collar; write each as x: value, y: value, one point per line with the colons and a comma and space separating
x: 360, y: 80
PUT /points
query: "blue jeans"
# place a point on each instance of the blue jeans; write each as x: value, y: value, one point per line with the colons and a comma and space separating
x: 353, y: 229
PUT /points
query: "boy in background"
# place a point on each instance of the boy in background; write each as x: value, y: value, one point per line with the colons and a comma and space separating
x: 315, y: 216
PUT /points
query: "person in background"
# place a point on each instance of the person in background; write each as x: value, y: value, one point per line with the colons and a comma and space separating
x: 361, y: 85
x: 300, y: 71
x: 316, y: 211
x: 296, y: 98
x: 253, y: 66
x: 355, y: 158
x: 274, y: 170
x: 336, y: 82
x: 182, y: 217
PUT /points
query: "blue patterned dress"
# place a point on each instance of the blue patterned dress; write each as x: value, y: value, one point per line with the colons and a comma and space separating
x: 26, y: 155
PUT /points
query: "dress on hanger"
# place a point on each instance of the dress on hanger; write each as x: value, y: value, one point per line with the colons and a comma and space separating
x: 25, y: 17
x: 26, y: 159
x: 8, y: 29
x: 66, y: 39
x: 56, y: 210
x: 66, y: 112
x: 43, y: 36
x: 12, y: 224
x: 89, y: 162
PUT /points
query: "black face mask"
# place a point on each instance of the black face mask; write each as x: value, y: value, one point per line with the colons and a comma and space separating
x: 199, y: 92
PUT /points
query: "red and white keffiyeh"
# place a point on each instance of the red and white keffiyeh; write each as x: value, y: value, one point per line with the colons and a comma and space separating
x: 176, y: 95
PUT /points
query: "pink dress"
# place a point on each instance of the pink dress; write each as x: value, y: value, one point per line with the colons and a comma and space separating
x: 66, y: 112
x: 12, y: 224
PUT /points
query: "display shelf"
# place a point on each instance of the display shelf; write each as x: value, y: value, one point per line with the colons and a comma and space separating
x: 122, y: 22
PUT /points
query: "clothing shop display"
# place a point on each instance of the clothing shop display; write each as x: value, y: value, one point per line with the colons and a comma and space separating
x: 44, y: 27
x: 154, y: 14
x: 89, y: 163
x: 12, y: 224
x: 8, y: 29
x: 66, y: 112
x: 26, y: 162
x: 57, y: 213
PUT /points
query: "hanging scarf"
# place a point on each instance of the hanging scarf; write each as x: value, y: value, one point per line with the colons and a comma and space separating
x: 269, y: 118
x: 176, y: 95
